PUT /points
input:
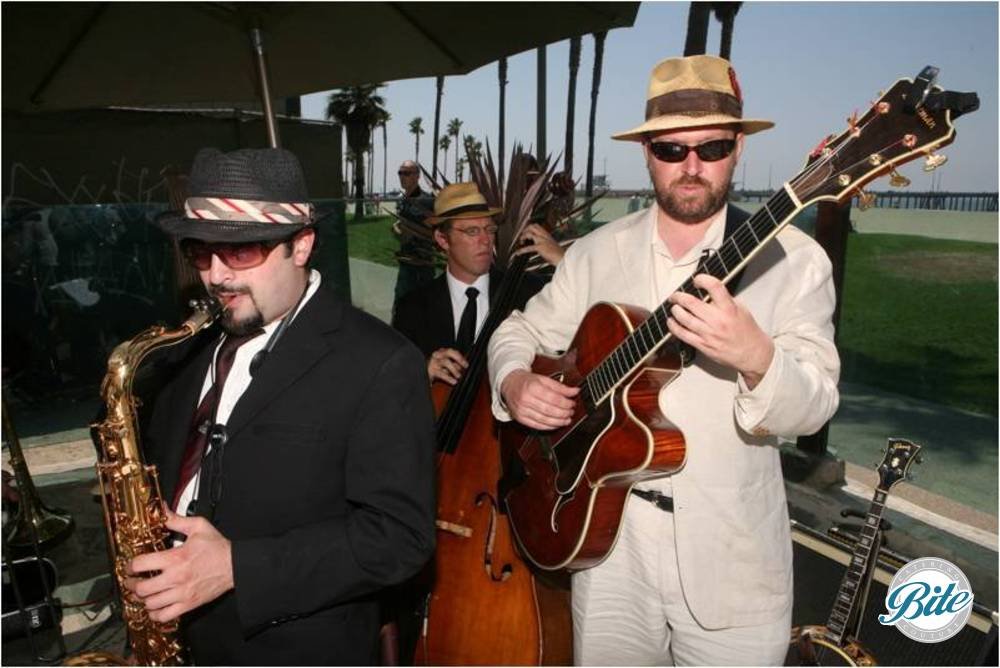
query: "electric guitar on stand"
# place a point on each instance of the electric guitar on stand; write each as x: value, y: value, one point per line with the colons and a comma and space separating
x: 566, y: 489
x: 836, y: 643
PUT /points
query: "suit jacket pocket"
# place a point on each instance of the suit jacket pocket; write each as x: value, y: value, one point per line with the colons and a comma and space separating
x: 289, y: 432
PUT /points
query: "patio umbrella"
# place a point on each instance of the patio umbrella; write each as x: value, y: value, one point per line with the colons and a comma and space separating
x: 80, y: 55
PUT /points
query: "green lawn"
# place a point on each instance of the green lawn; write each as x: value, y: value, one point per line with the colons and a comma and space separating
x: 919, y: 315
x: 920, y: 318
x: 372, y: 239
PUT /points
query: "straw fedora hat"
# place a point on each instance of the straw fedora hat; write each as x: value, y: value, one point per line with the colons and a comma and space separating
x: 460, y: 200
x: 244, y: 195
x: 693, y: 92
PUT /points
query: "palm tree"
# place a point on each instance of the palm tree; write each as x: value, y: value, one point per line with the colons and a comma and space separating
x: 437, y: 121
x: 595, y: 86
x: 697, y: 28
x: 416, y: 130
x: 444, y: 143
x: 502, y: 76
x: 455, y: 129
x: 473, y: 148
x: 574, y: 67
x: 371, y: 160
x: 386, y: 117
x: 540, y: 104
x: 358, y: 109
x: 725, y: 13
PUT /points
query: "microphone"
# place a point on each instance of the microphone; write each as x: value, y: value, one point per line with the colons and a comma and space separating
x: 258, y: 360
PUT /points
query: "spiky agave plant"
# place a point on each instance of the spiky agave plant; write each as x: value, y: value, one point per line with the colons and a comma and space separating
x: 531, y: 193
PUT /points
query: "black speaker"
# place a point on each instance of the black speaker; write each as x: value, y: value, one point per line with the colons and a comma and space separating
x: 820, y: 562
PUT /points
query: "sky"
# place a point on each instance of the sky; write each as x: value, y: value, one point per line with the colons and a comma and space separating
x: 804, y: 65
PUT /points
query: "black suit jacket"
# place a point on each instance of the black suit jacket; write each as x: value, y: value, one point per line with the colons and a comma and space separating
x: 327, y: 487
x: 425, y: 317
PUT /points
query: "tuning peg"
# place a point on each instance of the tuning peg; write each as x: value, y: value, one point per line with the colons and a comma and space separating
x: 852, y: 123
x: 897, y: 180
x: 919, y: 459
x: 866, y: 200
x: 821, y: 147
x: 933, y: 161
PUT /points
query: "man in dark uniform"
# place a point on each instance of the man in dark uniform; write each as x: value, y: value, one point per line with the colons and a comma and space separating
x: 416, y: 253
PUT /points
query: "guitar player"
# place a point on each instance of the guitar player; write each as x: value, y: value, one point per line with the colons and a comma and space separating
x: 701, y: 573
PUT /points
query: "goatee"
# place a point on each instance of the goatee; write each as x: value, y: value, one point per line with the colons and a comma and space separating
x: 241, y: 327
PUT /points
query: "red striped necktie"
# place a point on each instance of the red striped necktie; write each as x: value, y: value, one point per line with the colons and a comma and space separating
x: 197, y: 440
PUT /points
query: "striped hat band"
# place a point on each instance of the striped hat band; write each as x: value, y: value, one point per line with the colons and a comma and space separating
x: 244, y: 210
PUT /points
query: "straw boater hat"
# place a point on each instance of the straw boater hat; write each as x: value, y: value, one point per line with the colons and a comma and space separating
x: 460, y: 200
x: 245, y: 195
x: 693, y: 92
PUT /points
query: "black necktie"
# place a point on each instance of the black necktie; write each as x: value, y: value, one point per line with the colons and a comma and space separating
x: 467, y: 325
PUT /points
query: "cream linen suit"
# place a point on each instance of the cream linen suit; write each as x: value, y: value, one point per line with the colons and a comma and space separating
x: 733, y: 545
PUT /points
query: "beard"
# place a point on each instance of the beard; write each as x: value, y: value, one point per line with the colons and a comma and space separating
x: 697, y: 207
x: 239, y: 326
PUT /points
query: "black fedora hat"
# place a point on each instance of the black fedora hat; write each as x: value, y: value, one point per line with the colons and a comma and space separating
x: 244, y: 195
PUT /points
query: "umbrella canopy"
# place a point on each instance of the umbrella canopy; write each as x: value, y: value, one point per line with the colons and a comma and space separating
x: 80, y: 55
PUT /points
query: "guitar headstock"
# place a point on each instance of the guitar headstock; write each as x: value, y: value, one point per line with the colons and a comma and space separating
x: 900, y: 455
x: 891, y: 133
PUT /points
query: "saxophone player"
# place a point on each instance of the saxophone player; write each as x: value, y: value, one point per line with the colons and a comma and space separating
x: 294, y: 446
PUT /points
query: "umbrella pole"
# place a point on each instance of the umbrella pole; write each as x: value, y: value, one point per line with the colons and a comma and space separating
x: 257, y: 41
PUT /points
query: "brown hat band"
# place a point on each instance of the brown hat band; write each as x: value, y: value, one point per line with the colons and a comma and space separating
x: 468, y: 208
x: 693, y: 101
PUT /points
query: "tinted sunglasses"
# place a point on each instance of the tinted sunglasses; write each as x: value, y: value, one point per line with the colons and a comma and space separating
x: 404, y: 172
x: 710, y: 151
x: 246, y: 255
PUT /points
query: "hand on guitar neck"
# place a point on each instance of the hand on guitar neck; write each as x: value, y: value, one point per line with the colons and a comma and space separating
x: 446, y: 365
x: 537, y: 401
x: 722, y: 329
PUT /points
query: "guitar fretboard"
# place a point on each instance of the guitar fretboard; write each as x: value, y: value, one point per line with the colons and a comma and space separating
x: 733, y: 254
x: 853, y: 582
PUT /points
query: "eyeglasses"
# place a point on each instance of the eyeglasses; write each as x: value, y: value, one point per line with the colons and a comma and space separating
x: 235, y: 256
x: 403, y: 172
x: 710, y: 151
x: 474, y: 232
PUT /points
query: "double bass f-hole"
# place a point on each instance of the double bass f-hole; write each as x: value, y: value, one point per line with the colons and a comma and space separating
x: 506, y: 569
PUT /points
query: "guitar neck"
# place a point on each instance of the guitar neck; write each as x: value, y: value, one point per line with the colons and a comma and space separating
x: 733, y: 255
x: 841, y: 621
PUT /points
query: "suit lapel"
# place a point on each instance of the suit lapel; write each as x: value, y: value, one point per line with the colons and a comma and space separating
x: 635, y: 255
x: 496, y: 280
x: 441, y: 319
x: 303, y: 344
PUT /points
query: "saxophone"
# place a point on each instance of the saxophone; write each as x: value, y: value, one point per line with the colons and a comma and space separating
x: 133, y: 503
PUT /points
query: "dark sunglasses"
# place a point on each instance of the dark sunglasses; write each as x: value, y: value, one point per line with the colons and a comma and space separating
x: 407, y: 173
x: 710, y: 151
x: 245, y: 255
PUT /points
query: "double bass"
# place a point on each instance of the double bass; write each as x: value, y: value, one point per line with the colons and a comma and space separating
x: 484, y: 604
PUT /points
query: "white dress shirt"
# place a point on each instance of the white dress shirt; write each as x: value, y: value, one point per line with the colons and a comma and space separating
x: 457, y: 288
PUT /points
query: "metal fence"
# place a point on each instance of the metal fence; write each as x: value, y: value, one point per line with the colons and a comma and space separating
x: 937, y: 201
